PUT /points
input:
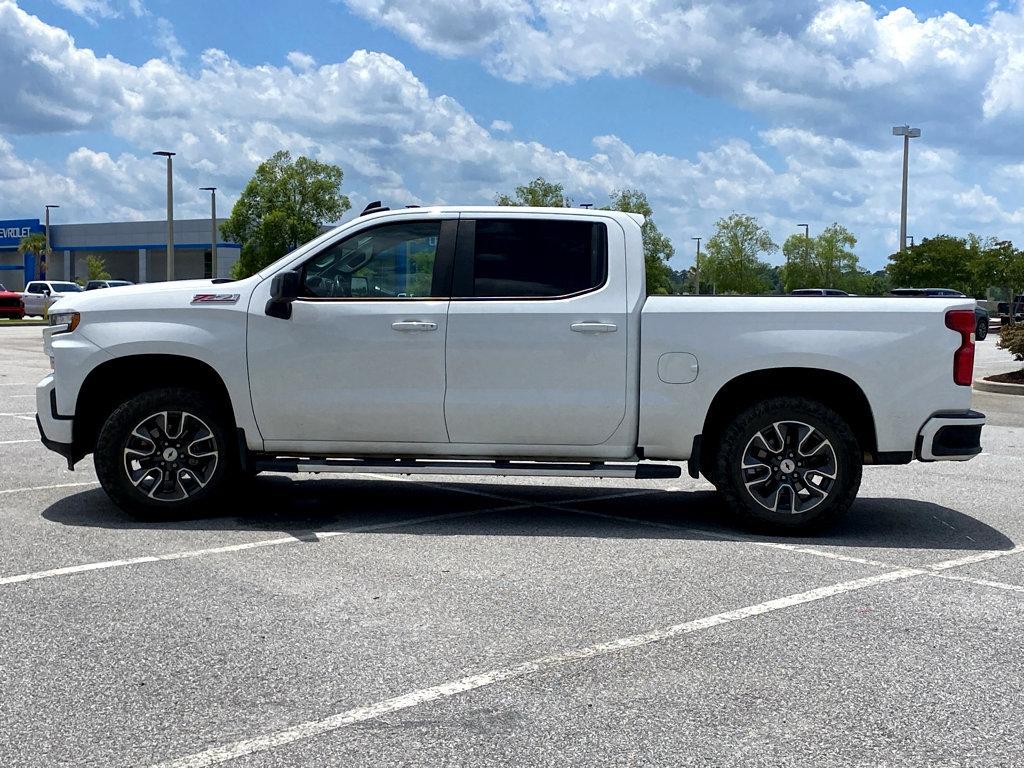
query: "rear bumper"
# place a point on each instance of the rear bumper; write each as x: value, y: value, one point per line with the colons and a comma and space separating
x: 950, y: 435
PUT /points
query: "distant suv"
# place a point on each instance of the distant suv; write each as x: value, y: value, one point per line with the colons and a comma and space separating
x: 980, y: 313
x: 10, y: 304
x: 94, y: 284
x: 40, y: 294
x: 1003, y: 310
x: 818, y: 292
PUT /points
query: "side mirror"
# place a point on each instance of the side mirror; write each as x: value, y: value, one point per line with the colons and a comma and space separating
x: 284, y: 289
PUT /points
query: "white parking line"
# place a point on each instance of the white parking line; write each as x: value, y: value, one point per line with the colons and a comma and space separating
x: 936, y: 569
x: 53, y: 486
x: 18, y: 414
x: 26, y: 440
x: 983, y: 583
x: 120, y: 562
x: 337, y: 721
x: 289, y: 540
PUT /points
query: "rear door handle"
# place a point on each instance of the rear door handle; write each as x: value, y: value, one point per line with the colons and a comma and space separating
x: 414, y: 325
x: 590, y: 327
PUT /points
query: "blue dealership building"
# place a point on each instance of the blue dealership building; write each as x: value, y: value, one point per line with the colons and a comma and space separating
x: 135, y: 251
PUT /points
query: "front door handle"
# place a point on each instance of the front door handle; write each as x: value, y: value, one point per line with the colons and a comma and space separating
x: 414, y: 325
x: 590, y: 327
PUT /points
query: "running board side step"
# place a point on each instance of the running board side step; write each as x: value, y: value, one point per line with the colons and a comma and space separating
x: 471, y: 467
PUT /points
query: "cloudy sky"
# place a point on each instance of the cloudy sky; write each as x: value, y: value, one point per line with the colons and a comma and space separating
x: 779, y: 108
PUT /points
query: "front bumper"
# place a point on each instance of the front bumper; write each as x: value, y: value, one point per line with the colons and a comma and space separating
x: 55, y: 429
x: 950, y: 435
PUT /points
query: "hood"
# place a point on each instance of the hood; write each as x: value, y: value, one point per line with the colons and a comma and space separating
x: 174, y: 293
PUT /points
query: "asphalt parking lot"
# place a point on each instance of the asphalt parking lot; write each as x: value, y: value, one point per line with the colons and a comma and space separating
x: 382, y: 621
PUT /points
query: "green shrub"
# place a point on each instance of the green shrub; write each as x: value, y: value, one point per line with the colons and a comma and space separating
x: 1011, y: 337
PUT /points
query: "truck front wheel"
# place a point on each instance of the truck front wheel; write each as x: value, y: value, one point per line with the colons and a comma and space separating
x: 164, y: 452
x: 789, y: 462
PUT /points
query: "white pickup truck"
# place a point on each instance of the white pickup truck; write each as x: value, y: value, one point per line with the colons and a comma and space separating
x: 500, y: 341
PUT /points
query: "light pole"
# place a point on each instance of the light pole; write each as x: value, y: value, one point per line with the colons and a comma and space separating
x: 213, y: 228
x: 807, y: 245
x: 47, y: 253
x: 696, y: 268
x: 907, y: 133
x: 807, y: 240
x: 170, y: 214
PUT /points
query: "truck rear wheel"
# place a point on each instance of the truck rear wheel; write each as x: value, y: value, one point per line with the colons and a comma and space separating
x: 164, y: 453
x: 789, y: 462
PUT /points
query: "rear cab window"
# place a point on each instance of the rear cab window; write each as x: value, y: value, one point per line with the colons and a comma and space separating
x: 523, y: 258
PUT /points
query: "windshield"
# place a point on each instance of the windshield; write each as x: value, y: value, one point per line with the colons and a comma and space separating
x: 65, y: 287
x: 115, y: 283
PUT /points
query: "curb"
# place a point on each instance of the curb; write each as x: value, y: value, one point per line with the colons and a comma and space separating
x: 29, y: 324
x: 1004, y: 388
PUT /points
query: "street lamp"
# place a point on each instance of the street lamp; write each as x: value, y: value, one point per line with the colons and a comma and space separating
x: 696, y: 268
x: 907, y: 133
x: 213, y: 228
x: 807, y: 242
x: 170, y: 214
x: 47, y: 253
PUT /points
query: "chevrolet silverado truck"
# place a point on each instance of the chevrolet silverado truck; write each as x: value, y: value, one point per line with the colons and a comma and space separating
x: 500, y: 341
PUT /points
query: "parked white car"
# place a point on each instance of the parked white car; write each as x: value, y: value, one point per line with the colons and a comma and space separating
x: 503, y: 341
x: 40, y: 294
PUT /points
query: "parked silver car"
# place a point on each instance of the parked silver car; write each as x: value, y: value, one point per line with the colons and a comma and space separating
x: 92, y: 285
x: 40, y: 294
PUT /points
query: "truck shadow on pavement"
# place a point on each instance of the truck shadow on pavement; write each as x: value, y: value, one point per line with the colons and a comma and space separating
x: 305, y: 506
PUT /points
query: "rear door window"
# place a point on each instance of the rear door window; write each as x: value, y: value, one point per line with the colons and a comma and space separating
x: 525, y: 258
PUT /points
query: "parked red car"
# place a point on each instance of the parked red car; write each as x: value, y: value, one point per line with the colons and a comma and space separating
x: 11, y: 305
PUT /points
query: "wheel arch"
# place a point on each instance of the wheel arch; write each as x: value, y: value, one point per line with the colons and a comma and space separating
x: 115, y: 381
x: 830, y: 388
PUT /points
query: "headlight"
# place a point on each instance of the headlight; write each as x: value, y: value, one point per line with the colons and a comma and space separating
x: 69, y: 320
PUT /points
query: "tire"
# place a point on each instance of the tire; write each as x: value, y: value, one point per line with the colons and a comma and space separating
x: 771, y: 438
x: 982, y: 330
x: 165, y: 453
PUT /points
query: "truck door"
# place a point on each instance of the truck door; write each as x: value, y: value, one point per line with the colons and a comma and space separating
x: 361, y: 359
x: 537, y: 334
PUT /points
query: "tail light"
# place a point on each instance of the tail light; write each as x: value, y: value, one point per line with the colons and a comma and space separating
x: 963, y: 322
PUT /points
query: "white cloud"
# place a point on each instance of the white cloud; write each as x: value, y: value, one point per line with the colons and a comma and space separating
x: 300, y: 60
x: 91, y: 10
x: 839, y: 65
x: 398, y: 142
x: 168, y: 41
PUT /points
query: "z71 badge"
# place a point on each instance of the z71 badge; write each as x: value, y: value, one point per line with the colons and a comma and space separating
x: 215, y: 299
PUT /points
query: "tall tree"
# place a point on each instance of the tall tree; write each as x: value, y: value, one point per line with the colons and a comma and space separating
x: 34, y: 243
x: 824, y: 261
x: 944, y: 261
x: 283, y: 206
x: 96, y: 268
x: 658, y: 248
x: 538, y: 193
x: 1004, y: 268
x: 732, y: 259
